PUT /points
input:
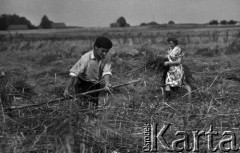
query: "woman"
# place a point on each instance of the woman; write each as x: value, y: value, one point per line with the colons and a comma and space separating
x: 175, y: 75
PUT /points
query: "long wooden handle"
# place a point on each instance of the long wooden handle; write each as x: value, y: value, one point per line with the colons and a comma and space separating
x: 68, y: 98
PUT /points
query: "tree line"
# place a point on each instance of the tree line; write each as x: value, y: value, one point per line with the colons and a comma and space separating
x: 46, y: 23
x: 7, y: 20
x: 222, y: 22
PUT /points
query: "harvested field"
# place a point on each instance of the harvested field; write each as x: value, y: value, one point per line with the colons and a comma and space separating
x: 37, y: 72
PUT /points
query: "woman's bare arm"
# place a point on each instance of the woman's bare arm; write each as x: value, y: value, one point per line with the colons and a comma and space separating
x: 173, y: 63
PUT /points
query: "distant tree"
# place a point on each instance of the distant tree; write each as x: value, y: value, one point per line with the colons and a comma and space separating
x: 7, y: 20
x: 171, y: 22
x: 4, y: 22
x: 213, y: 22
x: 143, y: 24
x: 153, y: 23
x: 114, y: 25
x: 45, y: 23
x: 223, y: 22
x: 121, y: 22
x: 232, y: 22
x: 149, y: 24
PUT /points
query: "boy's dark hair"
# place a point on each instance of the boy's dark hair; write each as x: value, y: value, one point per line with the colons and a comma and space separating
x: 174, y: 40
x: 103, y: 42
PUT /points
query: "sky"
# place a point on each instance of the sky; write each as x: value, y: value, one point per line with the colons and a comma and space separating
x: 100, y: 13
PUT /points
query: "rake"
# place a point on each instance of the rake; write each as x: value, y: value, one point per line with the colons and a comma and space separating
x: 68, y: 98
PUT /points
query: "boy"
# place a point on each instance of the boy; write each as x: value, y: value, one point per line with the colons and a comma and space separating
x: 89, y: 71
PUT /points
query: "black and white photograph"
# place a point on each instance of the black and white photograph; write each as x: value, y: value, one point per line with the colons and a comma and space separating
x: 119, y: 76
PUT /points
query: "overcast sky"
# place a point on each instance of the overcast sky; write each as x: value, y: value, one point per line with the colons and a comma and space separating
x: 100, y: 13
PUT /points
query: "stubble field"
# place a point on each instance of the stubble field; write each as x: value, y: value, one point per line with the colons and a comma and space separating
x: 37, y: 66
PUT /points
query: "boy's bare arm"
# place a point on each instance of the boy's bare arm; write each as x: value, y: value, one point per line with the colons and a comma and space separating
x: 107, y: 79
x: 69, y: 85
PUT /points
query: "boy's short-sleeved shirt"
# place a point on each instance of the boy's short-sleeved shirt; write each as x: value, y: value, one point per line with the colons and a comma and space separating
x: 89, y: 69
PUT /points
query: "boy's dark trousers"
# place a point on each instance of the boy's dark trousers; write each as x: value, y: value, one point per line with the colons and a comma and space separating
x: 89, y: 100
